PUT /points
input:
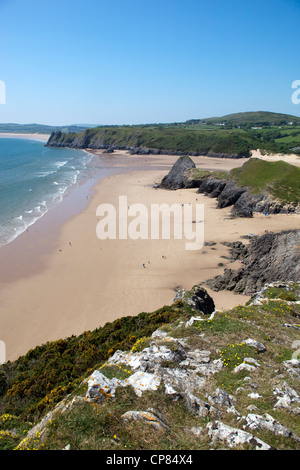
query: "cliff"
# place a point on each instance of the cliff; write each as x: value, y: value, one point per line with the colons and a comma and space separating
x: 156, y: 140
x: 266, y: 258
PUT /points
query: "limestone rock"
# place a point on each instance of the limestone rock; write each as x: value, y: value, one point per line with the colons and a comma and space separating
x: 142, y: 381
x: 195, y: 358
x: 243, y: 366
x: 130, y: 358
x: 287, y: 397
x: 222, y: 398
x: 256, y: 422
x: 178, y: 177
x: 234, y: 437
x: 250, y: 360
x: 254, y: 396
x: 100, y: 387
x: 150, y: 417
x: 182, y: 380
x: 159, y: 353
x: 293, y: 367
x: 200, y: 408
x: 196, y: 430
x: 211, y: 368
x: 255, y: 344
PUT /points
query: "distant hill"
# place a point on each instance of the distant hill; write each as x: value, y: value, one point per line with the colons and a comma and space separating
x: 254, y: 118
x: 39, y: 128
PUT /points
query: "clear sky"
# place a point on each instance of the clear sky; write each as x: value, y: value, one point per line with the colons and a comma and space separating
x: 131, y: 62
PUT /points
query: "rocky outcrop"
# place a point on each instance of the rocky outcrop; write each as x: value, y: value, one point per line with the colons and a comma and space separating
x: 164, y: 362
x: 211, y: 186
x: 179, y: 176
x: 267, y: 258
x: 234, y: 437
x: 228, y: 193
x: 244, y: 203
x: 198, y: 298
x: 254, y: 422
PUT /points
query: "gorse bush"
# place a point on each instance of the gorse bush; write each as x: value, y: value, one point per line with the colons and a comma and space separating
x: 35, y: 382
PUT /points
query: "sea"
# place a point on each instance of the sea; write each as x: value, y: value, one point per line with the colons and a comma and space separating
x: 35, y: 178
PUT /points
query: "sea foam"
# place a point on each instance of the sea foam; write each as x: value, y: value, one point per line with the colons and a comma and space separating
x: 33, y: 179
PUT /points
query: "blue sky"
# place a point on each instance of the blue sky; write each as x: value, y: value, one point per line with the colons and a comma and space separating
x: 131, y: 62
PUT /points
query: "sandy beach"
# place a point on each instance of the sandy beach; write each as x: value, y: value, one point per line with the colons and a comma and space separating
x: 58, y: 279
x: 36, y: 136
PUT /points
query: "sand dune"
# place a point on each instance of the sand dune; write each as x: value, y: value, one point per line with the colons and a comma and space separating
x: 293, y: 159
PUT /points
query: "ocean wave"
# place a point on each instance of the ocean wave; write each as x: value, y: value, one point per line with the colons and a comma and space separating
x: 60, y: 164
x: 44, y: 185
x: 43, y: 174
x: 54, y: 168
x: 10, y: 232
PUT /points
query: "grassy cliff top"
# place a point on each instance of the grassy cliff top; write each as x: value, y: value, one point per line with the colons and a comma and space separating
x: 252, y: 376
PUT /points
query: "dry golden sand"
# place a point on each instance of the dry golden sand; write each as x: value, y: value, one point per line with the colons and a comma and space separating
x: 59, y: 280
